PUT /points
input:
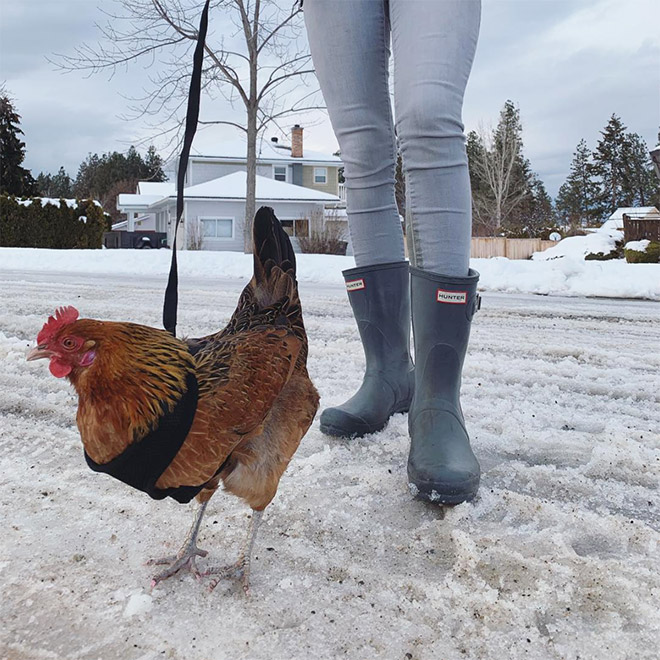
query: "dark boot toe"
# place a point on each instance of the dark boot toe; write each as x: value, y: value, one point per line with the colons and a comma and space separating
x: 341, y: 423
x: 441, y: 466
x: 444, y: 485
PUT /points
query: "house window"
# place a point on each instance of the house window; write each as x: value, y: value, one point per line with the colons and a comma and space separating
x: 218, y: 228
x: 321, y: 175
x: 298, y: 228
x: 279, y: 172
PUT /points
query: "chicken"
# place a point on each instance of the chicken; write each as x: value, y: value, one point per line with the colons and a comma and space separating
x: 175, y: 418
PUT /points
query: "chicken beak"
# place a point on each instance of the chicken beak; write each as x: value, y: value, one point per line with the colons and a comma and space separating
x: 38, y: 353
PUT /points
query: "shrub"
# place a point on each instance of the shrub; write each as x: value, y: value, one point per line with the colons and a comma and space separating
x: 329, y: 239
x: 616, y: 253
x: 650, y: 256
x: 31, y: 224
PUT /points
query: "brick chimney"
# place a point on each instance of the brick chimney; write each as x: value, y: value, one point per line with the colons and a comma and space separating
x: 297, y: 141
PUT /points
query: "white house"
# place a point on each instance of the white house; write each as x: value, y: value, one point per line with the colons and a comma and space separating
x: 300, y: 185
x: 215, y: 210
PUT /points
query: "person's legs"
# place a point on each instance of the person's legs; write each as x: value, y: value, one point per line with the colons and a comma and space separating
x: 434, y: 43
x: 349, y: 41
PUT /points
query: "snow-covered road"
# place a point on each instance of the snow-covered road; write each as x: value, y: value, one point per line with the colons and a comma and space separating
x: 557, y: 558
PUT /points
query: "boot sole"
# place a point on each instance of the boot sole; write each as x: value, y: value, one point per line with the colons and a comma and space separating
x: 338, y: 432
x: 445, y: 493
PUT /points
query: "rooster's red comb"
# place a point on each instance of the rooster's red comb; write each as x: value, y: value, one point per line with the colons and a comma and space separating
x: 63, y: 316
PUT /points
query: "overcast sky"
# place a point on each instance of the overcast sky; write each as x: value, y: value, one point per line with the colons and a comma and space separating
x: 568, y: 64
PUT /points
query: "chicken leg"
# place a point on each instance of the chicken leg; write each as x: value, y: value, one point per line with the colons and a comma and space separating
x: 240, y: 569
x: 186, y: 557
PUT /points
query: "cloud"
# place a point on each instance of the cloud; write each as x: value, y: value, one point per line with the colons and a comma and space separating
x: 569, y: 64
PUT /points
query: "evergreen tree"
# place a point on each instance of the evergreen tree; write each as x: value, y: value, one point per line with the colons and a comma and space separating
x: 14, y: 178
x: 655, y: 159
x: 104, y: 177
x: 97, y: 174
x: 611, y: 168
x: 153, y: 165
x: 577, y: 199
x: 55, y: 185
x: 542, y: 215
x: 624, y: 169
x: 642, y: 185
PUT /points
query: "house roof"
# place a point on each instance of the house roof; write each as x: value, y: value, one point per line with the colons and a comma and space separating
x: 233, y: 186
x: 267, y: 151
x: 148, y: 193
x: 128, y: 200
x: 161, y: 188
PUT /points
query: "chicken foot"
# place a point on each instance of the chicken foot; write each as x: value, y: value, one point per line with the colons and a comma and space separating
x: 240, y: 569
x: 186, y: 557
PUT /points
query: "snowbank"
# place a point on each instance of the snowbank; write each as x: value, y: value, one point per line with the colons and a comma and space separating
x: 603, y: 240
x: 569, y: 276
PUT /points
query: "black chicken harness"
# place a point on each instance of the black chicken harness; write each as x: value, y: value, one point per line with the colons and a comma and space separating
x: 141, y: 464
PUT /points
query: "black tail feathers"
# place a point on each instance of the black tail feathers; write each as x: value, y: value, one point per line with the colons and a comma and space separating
x: 272, y: 246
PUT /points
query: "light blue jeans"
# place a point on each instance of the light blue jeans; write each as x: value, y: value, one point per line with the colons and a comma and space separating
x: 433, y: 44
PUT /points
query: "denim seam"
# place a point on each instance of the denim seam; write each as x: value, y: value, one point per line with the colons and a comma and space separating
x: 416, y: 257
x: 386, y: 32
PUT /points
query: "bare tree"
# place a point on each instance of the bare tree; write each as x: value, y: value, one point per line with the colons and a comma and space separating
x: 255, y: 63
x: 194, y: 235
x: 497, y: 166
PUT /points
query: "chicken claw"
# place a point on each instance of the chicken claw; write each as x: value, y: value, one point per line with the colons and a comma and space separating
x: 185, y: 559
x: 241, y: 569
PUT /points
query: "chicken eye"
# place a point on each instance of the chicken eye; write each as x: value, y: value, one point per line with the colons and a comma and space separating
x: 69, y: 343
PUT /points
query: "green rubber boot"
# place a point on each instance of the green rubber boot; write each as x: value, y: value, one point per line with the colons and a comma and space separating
x: 441, y: 465
x: 380, y: 299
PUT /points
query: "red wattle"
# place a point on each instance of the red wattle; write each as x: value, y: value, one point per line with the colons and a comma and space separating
x: 59, y: 369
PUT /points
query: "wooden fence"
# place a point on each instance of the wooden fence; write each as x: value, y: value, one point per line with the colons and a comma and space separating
x: 512, y: 248
x: 638, y: 228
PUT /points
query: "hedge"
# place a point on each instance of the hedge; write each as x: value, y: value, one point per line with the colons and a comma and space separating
x: 32, y: 224
x: 650, y: 256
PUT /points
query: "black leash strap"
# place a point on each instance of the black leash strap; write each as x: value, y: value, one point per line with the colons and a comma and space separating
x: 192, y: 115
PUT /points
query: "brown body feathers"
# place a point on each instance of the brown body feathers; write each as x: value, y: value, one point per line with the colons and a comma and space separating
x: 255, y: 403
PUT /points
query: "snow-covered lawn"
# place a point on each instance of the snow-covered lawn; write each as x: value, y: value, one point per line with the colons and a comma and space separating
x: 565, y: 273
x: 557, y: 557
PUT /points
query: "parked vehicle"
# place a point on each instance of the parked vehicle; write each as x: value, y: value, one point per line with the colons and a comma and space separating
x: 138, y: 240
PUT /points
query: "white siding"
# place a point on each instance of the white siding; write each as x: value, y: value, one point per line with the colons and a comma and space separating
x: 213, y: 208
x: 197, y: 209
